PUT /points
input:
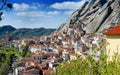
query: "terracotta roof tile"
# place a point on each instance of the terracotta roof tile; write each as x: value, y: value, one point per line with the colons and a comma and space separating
x: 29, y: 68
x: 113, y: 31
x: 46, y: 72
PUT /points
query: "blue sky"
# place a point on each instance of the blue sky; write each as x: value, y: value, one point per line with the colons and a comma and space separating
x: 39, y: 13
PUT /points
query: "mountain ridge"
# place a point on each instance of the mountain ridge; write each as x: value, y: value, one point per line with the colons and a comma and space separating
x: 25, y: 32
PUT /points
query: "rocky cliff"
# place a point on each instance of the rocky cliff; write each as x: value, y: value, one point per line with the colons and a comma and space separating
x: 95, y: 16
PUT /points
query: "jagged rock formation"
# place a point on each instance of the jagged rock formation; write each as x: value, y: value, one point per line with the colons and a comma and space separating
x: 95, y: 16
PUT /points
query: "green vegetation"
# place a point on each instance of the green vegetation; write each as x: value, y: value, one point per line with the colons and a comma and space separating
x: 72, y: 21
x: 118, y: 23
x: 25, y: 52
x: 4, y: 5
x: 94, y: 32
x: 89, y: 66
x: 4, y: 29
x: 25, y: 32
x: 6, y: 54
x: 4, y: 68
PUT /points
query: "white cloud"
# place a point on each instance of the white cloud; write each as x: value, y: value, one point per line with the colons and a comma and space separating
x: 18, y: 21
x: 38, y: 13
x: 68, y: 5
x: 54, y: 12
x: 32, y: 19
x: 37, y: 4
x: 22, y: 6
x: 21, y: 13
x: 31, y: 14
x: 34, y: 7
x: 68, y: 12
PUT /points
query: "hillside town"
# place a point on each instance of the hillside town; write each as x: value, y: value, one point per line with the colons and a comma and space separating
x: 88, y: 43
x: 47, y: 52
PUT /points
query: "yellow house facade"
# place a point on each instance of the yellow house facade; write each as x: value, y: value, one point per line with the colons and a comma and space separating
x: 113, y: 38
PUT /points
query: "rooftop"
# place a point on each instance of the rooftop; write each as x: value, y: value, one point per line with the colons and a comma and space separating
x: 113, y: 31
x: 46, y: 72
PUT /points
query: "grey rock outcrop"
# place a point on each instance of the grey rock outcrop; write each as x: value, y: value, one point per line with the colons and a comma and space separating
x: 95, y: 16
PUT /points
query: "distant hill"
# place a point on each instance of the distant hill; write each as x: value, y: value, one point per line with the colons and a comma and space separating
x: 25, y: 32
x: 4, y: 29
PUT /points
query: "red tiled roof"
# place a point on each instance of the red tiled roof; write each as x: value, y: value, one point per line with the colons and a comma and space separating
x: 46, y: 72
x: 31, y: 72
x: 29, y: 68
x: 114, y: 30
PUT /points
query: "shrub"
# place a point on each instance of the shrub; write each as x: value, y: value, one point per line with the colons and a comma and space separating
x: 89, y: 66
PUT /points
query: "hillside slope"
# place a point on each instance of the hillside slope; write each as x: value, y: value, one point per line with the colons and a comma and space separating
x: 24, y: 32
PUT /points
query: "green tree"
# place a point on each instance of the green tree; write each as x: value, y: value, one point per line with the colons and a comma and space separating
x: 6, y: 54
x: 89, y: 66
x: 25, y: 51
x: 4, y: 5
